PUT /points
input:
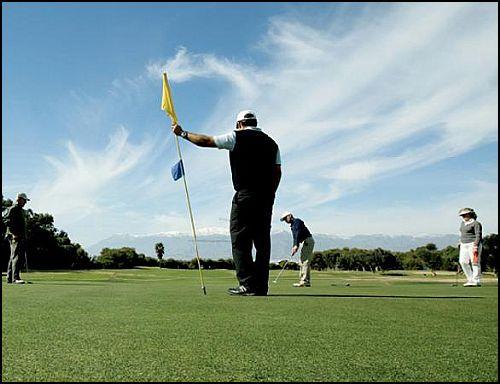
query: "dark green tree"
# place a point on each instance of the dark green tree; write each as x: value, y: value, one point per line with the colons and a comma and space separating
x: 124, y: 257
x: 489, y: 255
x: 430, y: 257
x: 449, y: 258
x: 46, y: 246
x: 160, y: 250
x: 318, y: 262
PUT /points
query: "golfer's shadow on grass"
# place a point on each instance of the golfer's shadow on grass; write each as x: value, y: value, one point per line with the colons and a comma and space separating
x: 370, y: 296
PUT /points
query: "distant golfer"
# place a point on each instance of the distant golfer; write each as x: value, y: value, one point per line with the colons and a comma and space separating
x: 16, y: 233
x: 470, y: 247
x: 256, y: 172
x: 301, y: 238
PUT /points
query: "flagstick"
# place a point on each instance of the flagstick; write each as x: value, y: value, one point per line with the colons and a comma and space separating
x: 190, y: 215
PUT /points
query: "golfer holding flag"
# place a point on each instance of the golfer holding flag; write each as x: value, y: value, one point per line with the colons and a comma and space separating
x: 256, y: 172
x: 301, y: 238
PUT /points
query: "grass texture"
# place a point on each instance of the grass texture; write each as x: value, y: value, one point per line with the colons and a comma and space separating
x: 156, y: 325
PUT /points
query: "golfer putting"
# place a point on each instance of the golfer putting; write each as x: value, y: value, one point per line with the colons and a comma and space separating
x: 256, y: 173
x: 302, y: 239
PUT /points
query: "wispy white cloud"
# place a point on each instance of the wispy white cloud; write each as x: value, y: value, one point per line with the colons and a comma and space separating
x: 347, y: 97
x: 350, y: 99
x: 187, y: 66
x: 345, y: 103
x: 83, y: 180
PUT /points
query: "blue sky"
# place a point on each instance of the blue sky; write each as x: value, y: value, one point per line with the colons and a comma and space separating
x: 386, y: 114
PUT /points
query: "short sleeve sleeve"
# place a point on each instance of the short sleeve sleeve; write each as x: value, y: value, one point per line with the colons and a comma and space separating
x: 226, y: 141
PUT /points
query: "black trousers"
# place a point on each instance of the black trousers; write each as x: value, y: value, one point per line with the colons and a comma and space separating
x: 251, y: 214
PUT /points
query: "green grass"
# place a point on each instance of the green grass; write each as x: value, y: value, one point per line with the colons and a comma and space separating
x: 156, y: 325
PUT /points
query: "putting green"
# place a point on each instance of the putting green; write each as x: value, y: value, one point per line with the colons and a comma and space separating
x: 156, y: 325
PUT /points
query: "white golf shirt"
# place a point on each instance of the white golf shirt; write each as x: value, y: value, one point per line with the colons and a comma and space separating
x: 228, y: 141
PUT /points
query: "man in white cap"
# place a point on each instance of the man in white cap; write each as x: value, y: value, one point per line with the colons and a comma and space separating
x: 256, y: 172
x: 470, y: 247
x: 16, y: 233
x: 302, y: 239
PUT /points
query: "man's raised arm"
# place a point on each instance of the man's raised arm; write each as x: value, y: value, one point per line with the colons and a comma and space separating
x: 195, y: 138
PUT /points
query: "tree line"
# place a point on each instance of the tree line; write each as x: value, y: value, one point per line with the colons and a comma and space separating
x: 49, y: 248
x: 46, y: 246
x: 426, y: 257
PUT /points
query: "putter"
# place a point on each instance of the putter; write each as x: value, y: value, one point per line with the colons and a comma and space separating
x: 279, y: 274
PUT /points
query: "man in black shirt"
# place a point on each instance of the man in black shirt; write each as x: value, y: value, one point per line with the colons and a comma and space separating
x: 301, y: 238
x: 256, y: 172
x: 15, y: 222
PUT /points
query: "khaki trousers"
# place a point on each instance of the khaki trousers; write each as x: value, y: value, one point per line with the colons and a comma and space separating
x: 306, y: 253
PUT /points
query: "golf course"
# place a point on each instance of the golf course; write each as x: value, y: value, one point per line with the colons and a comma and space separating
x: 151, y: 324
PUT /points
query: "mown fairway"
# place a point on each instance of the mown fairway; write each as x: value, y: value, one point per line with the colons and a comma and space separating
x: 156, y: 325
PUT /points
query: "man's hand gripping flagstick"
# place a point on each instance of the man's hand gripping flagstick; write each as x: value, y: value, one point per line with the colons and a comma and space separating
x: 178, y: 169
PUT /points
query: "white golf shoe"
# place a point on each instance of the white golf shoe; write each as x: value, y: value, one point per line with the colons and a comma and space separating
x: 301, y: 284
x: 472, y: 284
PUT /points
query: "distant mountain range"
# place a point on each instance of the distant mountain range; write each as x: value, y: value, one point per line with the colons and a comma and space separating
x: 215, y: 246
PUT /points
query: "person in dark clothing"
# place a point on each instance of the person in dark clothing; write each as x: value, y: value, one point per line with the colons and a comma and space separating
x: 302, y: 239
x: 256, y: 172
x: 15, y: 222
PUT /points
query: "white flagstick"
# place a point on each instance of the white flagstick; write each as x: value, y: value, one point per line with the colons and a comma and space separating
x: 190, y: 214
x: 168, y: 106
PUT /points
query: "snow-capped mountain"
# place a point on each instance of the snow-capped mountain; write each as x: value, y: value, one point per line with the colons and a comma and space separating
x: 215, y: 243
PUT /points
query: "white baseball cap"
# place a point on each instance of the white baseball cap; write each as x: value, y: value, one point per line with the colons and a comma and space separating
x: 284, y: 214
x: 246, y: 115
x: 465, y: 211
x: 22, y: 195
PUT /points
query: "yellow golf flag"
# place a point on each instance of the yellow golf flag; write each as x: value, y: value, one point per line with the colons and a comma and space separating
x: 167, y: 103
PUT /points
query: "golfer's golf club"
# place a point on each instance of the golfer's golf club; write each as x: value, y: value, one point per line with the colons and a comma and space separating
x: 279, y: 274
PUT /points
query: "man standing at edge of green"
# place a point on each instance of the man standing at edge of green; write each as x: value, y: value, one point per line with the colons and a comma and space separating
x: 471, y: 246
x: 256, y: 173
x: 16, y: 233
